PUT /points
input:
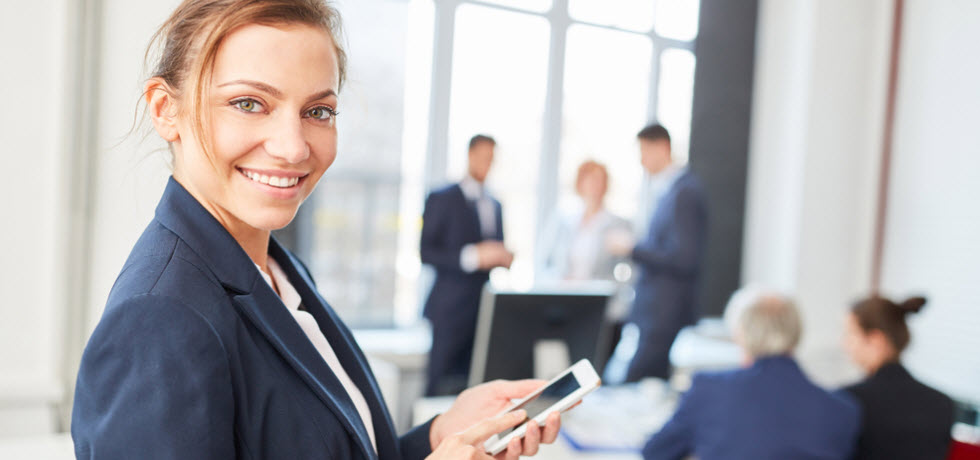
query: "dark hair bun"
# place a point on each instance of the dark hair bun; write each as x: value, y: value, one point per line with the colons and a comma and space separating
x: 912, y: 304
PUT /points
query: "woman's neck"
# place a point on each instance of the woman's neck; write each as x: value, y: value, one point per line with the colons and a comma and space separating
x: 881, y: 362
x: 591, y: 209
x: 254, y: 242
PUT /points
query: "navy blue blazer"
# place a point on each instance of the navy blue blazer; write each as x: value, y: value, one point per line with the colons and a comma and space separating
x: 450, y: 222
x: 669, y: 256
x: 768, y: 411
x: 196, y: 357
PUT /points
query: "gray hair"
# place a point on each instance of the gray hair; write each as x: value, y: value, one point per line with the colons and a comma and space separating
x: 765, y: 323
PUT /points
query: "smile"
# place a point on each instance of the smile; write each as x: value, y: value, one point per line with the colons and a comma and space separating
x: 271, y: 180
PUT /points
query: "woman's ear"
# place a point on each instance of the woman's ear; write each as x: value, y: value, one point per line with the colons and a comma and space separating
x: 161, y: 103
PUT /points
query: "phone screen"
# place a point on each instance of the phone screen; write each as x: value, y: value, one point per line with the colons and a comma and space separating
x: 547, y: 398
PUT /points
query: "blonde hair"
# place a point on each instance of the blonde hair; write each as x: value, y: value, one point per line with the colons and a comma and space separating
x: 190, y: 38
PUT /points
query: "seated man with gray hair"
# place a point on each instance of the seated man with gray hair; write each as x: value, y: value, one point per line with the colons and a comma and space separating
x: 767, y: 410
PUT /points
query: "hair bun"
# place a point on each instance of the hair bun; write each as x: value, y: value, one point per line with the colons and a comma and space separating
x: 912, y: 304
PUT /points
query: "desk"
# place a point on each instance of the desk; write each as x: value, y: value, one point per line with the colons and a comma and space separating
x: 626, y: 415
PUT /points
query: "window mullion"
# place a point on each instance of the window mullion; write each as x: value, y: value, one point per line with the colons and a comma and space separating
x: 551, y: 137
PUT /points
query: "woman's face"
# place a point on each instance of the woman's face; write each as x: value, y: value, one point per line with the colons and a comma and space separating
x: 272, y: 103
x: 857, y: 342
x: 592, y: 185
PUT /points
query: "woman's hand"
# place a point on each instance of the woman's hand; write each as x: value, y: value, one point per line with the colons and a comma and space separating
x: 468, y: 445
x: 486, y: 400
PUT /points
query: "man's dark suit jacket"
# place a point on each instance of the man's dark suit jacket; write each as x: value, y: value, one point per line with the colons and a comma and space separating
x: 196, y: 357
x: 903, y: 418
x: 767, y: 411
x: 450, y: 222
x: 669, y: 262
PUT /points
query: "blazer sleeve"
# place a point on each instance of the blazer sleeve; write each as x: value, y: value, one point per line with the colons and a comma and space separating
x: 415, y: 444
x: 154, y: 383
x: 434, y: 247
x: 681, y: 255
x: 675, y: 440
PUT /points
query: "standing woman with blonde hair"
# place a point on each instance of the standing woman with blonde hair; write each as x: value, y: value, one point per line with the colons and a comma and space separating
x: 214, y: 343
x: 902, y: 418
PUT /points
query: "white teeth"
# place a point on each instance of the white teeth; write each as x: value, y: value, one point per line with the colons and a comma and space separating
x: 274, y: 181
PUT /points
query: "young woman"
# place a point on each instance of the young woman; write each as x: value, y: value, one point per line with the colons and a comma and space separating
x: 903, y: 418
x: 214, y: 343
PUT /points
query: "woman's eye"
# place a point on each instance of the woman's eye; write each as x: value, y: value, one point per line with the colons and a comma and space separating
x: 321, y: 113
x: 247, y: 105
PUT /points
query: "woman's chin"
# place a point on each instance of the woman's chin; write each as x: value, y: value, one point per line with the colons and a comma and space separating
x: 273, y: 219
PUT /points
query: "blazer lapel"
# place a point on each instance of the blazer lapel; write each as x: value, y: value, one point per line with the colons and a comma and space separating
x: 183, y: 215
x: 342, y: 341
x: 265, y: 310
x: 470, y: 216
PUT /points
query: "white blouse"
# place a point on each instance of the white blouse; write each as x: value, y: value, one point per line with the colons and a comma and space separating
x: 292, y: 300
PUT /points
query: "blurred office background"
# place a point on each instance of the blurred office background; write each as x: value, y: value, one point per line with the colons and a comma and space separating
x: 781, y: 107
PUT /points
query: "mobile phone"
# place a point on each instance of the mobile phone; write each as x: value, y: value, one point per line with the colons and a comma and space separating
x: 559, y: 394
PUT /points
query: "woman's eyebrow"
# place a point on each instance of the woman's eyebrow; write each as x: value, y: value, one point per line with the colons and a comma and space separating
x: 275, y: 92
x: 323, y: 94
x: 255, y: 84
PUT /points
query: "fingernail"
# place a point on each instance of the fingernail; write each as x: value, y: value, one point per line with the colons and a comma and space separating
x: 520, y: 414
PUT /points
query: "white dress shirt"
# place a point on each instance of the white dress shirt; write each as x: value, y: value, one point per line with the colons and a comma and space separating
x: 291, y: 299
x: 476, y: 192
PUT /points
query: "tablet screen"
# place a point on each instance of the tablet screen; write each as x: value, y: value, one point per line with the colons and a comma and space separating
x: 547, y: 398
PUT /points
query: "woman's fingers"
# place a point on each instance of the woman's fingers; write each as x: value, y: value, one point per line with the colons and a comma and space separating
x: 513, y: 451
x: 532, y: 437
x: 551, y: 427
x: 481, y: 432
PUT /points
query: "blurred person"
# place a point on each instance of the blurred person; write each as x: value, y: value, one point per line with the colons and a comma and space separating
x: 768, y: 409
x: 462, y: 239
x: 903, y: 418
x: 214, y: 343
x: 573, y: 245
x: 668, y: 257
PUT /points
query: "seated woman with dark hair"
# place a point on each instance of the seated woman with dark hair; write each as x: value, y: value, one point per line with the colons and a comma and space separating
x: 903, y: 418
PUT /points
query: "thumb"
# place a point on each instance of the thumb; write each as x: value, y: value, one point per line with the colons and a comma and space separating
x: 478, y: 434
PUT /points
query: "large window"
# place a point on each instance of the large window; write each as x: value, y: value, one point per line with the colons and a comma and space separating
x: 554, y: 81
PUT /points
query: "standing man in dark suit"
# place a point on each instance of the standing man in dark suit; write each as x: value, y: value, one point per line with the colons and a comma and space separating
x: 462, y: 238
x: 668, y: 257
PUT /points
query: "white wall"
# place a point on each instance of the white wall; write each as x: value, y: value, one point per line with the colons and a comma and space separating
x: 33, y: 85
x: 813, y: 162
x: 40, y: 339
x: 932, y: 242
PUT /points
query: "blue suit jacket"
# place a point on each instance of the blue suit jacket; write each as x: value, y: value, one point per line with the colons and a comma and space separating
x: 450, y: 222
x: 196, y: 357
x: 669, y: 256
x: 768, y: 411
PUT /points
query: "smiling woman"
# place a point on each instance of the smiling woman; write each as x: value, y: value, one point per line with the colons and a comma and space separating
x: 214, y: 337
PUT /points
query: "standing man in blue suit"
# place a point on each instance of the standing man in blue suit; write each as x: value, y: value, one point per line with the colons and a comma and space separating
x: 462, y: 238
x: 769, y: 409
x: 668, y: 257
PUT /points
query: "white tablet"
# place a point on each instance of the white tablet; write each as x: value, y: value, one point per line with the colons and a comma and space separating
x: 561, y: 393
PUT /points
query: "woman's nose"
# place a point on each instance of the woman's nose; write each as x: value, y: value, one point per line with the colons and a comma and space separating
x: 288, y: 141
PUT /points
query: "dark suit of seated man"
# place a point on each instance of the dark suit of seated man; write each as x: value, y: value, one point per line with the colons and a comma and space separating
x: 768, y: 410
x: 462, y: 239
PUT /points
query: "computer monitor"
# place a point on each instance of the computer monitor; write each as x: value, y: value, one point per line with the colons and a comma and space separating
x: 557, y: 325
